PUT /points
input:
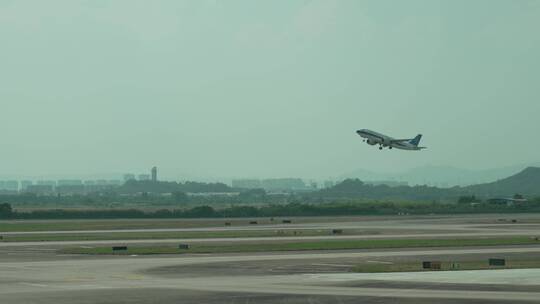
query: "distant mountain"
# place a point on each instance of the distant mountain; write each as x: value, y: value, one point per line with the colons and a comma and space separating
x: 526, y: 182
x: 440, y: 176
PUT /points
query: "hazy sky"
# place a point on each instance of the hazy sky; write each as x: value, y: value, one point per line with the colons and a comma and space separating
x: 265, y: 88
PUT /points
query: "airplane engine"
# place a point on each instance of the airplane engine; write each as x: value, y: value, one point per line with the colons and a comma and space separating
x: 370, y: 142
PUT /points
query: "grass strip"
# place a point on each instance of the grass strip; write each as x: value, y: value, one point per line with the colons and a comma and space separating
x: 63, y: 225
x: 171, y: 235
x: 306, y: 245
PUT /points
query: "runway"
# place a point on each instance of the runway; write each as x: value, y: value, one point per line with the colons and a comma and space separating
x: 33, y: 272
x: 393, y: 228
x: 27, y: 278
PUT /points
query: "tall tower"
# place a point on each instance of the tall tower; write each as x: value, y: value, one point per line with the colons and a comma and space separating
x: 154, y: 174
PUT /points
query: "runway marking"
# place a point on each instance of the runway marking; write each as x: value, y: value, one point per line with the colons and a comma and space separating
x: 79, y: 278
x: 33, y: 284
x: 379, y: 262
x: 93, y: 286
x: 41, y: 249
x: 128, y: 277
x: 332, y: 265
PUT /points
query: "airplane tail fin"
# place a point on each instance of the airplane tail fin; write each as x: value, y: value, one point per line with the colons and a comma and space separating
x: 415, y: 141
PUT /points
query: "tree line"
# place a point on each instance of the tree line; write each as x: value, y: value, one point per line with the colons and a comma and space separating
x: 273, y: 210
x: 164, y: 193
x: 134, y: 186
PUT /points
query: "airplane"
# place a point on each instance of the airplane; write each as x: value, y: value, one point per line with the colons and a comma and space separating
x: 374, y: 138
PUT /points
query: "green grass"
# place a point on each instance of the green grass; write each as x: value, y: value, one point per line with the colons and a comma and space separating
x: 168, y: 235
x: 307, y: 245
x: 124, y: 224
x: 116, y: 224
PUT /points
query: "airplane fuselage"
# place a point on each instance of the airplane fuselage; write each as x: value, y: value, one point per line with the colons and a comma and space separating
x: 375, y: 138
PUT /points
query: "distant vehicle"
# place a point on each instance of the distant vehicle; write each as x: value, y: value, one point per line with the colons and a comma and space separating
x: 374, y: 138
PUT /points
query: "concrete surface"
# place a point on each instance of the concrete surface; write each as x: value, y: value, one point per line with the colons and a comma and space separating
x: 33, y: 272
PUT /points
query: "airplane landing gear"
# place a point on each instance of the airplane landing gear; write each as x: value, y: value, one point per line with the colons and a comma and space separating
x: 390, y: 147
x: 380, y: 148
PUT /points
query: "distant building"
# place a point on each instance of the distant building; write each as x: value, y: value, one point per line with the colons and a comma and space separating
x: 506, y: 201
x: 69, y: 182
x: 154, y: 174
x: 40, y: 189
x: 70, y: 189
x: 12, y: 185
x: 246, y: 183
x: 144, y: 177
x: 70, y: 186
x: 9, y: 186
x: 99, y: 185
x: 25, y: 184
x: 91, y: 186
x: 283, y: 184
x: 114, y: 182
x: 272, y: 184
x: 46, y: 183
x: 128, y: 177
x: 101, y: 182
